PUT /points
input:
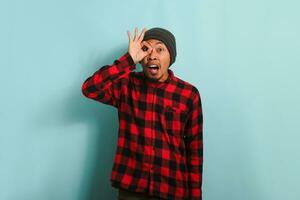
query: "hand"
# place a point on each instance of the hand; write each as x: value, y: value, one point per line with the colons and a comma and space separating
x: 138, y: 48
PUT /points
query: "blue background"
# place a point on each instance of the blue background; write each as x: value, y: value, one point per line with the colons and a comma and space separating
x: 243, y: 56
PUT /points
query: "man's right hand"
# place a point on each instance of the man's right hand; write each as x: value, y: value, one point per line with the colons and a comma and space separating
x: 136, y: 46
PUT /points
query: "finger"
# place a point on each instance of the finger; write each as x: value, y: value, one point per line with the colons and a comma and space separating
x: 129, y: 36
x: 148, y: 49
x: 135, y: 34
x: 147, y: 45
x: 142, y: 35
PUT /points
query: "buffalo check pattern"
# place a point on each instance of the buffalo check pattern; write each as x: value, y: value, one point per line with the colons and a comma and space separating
x: 160, y: 146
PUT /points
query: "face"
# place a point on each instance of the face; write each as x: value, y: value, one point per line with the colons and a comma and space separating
x: 156, y: 63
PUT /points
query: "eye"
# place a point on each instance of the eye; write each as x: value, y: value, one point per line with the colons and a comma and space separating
x: 159, y: 49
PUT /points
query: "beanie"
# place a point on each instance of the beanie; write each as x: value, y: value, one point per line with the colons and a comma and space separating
x: 164, y: 36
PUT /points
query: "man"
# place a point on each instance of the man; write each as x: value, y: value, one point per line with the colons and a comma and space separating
x: 159, y: 149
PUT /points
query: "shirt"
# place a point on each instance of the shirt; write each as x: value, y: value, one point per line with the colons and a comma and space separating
x: 159, y: 147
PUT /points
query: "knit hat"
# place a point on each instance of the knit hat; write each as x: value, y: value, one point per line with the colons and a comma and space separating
x: 166, y: 37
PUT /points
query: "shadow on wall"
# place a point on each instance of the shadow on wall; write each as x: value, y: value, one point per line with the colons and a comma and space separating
x: 102, y: 123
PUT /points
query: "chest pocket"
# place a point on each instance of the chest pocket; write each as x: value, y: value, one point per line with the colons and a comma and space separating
x: 173, y: 121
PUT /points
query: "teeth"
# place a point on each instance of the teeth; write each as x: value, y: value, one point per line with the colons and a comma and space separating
x: 153, y: 66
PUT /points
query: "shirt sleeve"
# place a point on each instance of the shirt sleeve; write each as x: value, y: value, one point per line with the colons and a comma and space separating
x: 194, y: 145
x: 104, y: 85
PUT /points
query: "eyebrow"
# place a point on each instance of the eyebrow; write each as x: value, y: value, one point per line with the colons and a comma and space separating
x: 159, y: 42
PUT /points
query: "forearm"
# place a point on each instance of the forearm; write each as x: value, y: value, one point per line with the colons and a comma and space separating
x: 194, y: 141
x: 195, y: 166
x: 100, y: 86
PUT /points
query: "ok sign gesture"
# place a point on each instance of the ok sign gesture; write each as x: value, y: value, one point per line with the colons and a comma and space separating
x: 136, y: 44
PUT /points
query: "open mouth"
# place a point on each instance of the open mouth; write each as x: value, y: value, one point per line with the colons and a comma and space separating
x: 153, y: 68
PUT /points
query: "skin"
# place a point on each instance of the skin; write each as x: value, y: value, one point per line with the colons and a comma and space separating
x: 157, y: 53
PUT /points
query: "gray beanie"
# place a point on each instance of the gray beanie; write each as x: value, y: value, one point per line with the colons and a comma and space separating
x: 166, y: 37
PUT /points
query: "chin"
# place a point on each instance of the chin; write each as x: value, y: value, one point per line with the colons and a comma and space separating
x: 155, y: 79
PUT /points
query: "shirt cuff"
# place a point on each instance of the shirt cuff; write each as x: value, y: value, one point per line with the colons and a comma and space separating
x: 129, y: 59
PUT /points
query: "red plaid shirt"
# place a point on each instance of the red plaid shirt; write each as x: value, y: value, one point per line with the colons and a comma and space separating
x: 159, y: 149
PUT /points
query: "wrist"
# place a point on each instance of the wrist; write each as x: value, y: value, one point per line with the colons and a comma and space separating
x: 131, y: 60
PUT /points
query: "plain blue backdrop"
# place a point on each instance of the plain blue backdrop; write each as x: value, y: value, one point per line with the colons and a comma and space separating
x: 243, y: 56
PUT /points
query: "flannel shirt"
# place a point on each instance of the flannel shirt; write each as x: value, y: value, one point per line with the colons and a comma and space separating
x: 159, y: 147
